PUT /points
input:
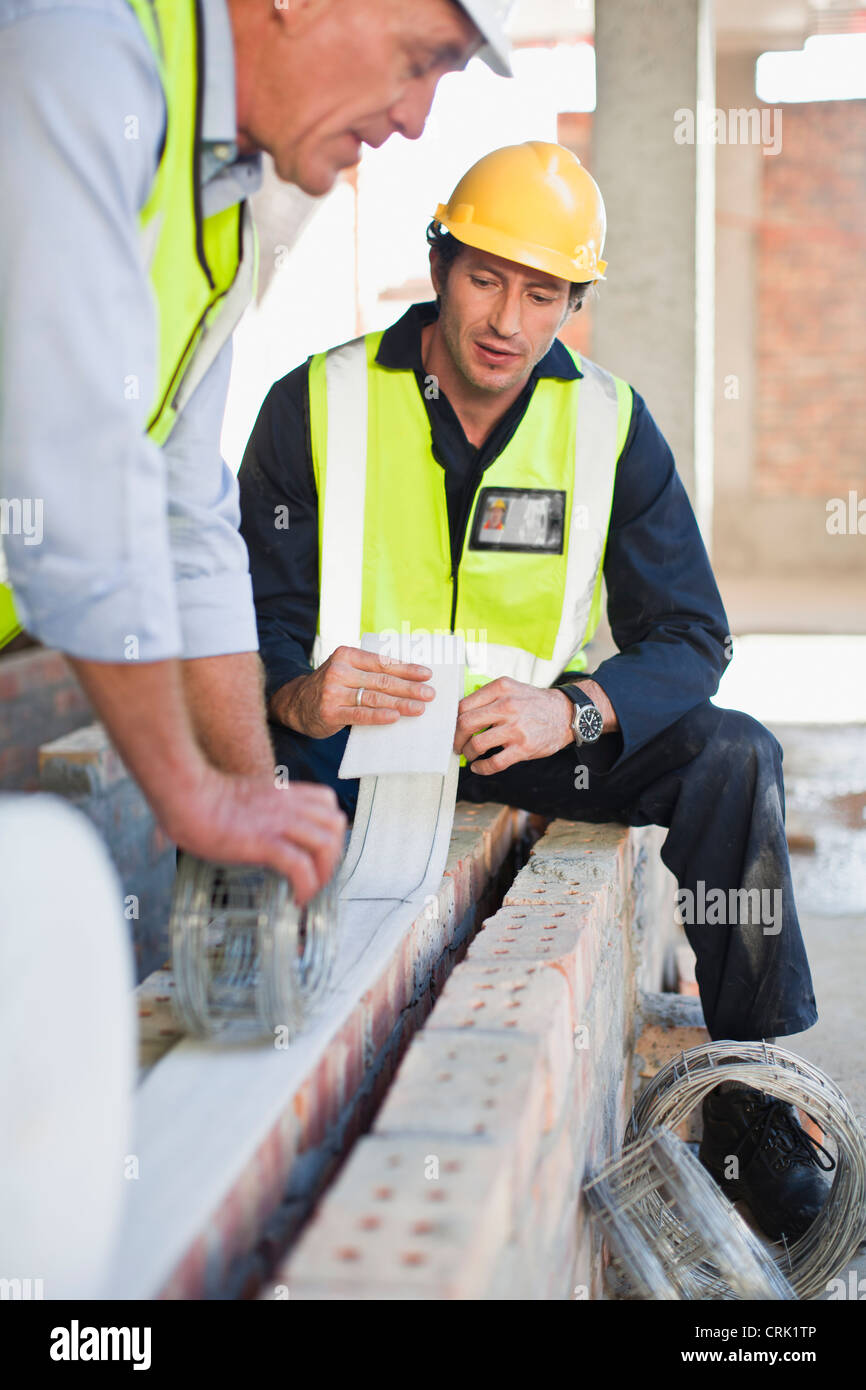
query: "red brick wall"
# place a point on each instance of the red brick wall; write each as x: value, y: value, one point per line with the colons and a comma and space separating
x: 811, y: 340
x: 40, y: 699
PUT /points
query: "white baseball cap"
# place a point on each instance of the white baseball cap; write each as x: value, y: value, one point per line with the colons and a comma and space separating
x: 491, y: 16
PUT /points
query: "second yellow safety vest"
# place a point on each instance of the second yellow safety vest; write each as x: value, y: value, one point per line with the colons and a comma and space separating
x: 527, y: 592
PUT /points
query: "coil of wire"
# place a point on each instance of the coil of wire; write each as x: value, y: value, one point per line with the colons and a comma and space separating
x: 248, y: 962
x: 812, y: 1261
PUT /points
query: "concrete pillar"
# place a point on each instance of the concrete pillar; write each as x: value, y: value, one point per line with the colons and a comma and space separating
x: 738, y: 212
x: 654, y: 324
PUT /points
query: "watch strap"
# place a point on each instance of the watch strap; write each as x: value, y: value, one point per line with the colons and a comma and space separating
x: 576, y: 695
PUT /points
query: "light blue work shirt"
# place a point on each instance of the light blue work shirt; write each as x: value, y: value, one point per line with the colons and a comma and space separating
x: 137, y: 541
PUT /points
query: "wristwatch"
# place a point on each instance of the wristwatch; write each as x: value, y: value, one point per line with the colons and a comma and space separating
x: 587, y: 721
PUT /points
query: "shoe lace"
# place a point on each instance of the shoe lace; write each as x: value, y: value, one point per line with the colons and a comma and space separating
x: 775, y: 1120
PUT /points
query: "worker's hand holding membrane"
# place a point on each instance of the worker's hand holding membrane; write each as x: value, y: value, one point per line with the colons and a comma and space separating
x: 353, y: 687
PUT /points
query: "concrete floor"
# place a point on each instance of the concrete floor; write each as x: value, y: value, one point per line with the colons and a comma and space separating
x: 825, y: 779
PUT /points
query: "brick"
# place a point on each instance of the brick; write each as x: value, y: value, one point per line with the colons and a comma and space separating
x: 410, y: 1213
x: 527, y: 1001
x: 483, y: 1087
x: 82, y: 762
x: 565, y: 939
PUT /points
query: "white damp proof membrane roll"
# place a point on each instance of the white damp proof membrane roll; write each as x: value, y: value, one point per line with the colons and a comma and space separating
x: 408, y: 781
x: 416, y: 743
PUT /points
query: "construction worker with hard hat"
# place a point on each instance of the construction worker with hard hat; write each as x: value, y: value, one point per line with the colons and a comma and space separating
x: 139, y: 127
x: 471, y: 408
x: 134, y: 138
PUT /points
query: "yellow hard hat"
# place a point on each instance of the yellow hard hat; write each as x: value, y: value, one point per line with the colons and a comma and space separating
x: 534, y: 204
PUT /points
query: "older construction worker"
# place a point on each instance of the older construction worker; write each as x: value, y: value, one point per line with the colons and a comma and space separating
x: 132, y: 140
x: 468, y: 410
x: 134, y: 136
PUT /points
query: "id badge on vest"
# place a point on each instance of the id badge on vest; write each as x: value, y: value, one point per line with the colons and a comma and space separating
x: 513, y: 518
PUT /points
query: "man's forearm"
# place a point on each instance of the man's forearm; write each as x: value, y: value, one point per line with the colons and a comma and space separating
x: 144, y: 711
x: 226, y: 702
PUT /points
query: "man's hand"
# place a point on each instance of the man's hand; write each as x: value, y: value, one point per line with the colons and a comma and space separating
x: 298, y: 830
x: 521, y: 720
x: 325, y: 701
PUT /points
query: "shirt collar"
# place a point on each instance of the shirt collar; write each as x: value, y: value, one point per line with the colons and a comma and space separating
x: 400, y: 347
x: 219, y: 151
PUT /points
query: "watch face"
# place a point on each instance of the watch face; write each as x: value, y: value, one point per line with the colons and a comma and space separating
x: 589, y: 724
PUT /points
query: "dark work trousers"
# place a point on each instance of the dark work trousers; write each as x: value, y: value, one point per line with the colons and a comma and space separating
x: 714, y: 779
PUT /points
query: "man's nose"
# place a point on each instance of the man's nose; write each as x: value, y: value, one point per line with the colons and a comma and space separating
x: 409, y: 113
x: 505, y: 313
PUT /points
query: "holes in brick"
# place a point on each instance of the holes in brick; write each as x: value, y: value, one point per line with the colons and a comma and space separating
x: 394, y: 1161
x: 479, y: 1129
x: 558, y: 914
x: 413, y: 1257
x: 503, y: 1057
x: 478, y: 1004
x: 369, y: 1223
x: 489, y: 1104
x: 161, y: 998
x: 422, y: 1228
x: 445, y: 1076
x: 502, y: 953
x: 437, y: 1195
x: 513, y: 1004
x: 144, y: 1013
x: 383, y: 1194
x: 453, y: 1165
x: 511, y: 1023
x: 348, y: 1253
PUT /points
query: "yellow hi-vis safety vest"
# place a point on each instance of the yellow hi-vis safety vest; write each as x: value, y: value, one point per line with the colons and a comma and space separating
x: 202, y: 269
x: 384, y: 549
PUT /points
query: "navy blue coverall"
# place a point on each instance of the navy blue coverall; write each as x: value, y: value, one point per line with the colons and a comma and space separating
x: 712, y: 776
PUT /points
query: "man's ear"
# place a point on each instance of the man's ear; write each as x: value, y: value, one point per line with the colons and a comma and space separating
x: 436, y: 270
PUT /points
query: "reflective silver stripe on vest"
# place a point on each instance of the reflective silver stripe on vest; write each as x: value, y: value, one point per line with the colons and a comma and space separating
x: 226, y: 318
x: 594, y: 474
x: 343, y: 519
x: 341, y: 579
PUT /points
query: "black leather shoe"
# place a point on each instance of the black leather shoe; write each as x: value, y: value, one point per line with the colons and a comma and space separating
x: 779, y: 1166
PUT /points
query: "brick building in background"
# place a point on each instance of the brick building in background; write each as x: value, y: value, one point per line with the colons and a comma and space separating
x: 790, y: 338
x: 811, y: 346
